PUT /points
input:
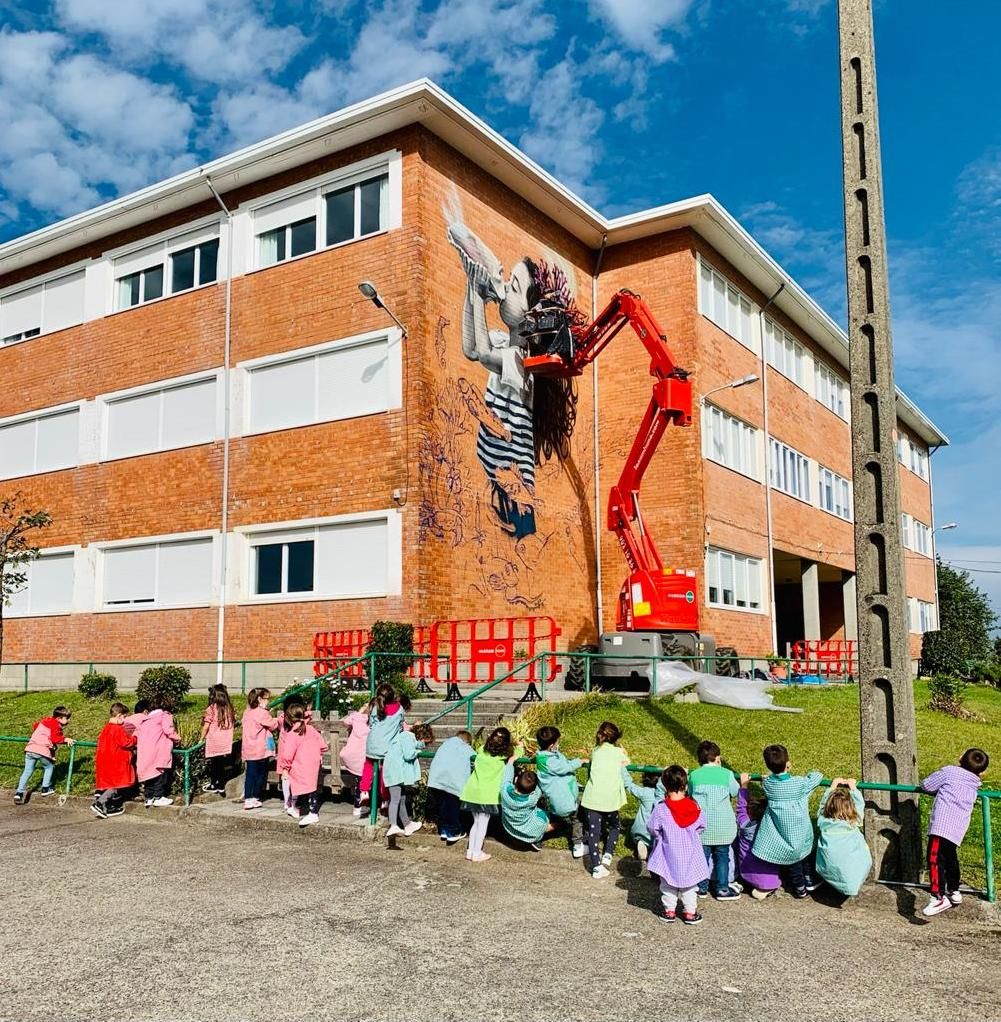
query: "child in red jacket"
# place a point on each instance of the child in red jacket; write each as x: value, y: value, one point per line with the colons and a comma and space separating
x: 113, y: 768
x: 41, y: 749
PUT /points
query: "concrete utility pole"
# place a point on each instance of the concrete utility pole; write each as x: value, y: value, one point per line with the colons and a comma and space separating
x: 886, y: 694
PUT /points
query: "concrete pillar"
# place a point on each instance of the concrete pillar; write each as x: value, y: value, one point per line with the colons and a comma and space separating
x: 851, y: 609
x: 810, y: 576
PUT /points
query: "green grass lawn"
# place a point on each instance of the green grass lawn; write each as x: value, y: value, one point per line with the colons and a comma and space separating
x: 824, y: 736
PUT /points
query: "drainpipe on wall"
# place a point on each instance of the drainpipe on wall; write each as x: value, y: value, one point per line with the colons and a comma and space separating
x: 934, y: 547
x: 768, y: 479
x: 224, y: 524
x: 597, y: 482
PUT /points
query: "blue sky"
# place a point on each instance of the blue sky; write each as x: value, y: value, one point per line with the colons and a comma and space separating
x: 630, y: 102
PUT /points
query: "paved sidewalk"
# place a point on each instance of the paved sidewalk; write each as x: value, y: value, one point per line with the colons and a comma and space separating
x: 155, y: 917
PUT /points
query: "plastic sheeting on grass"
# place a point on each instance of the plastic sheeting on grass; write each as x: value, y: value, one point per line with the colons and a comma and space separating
x: 738, y: 693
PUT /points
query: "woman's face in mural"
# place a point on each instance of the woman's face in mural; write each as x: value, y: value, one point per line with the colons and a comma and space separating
x: 515, y: 304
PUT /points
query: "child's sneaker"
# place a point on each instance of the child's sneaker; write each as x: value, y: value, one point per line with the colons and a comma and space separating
x: 309, y: 819
x: 149, y: 804
x: 249, y: 803
x: 412, y: 827
x: 702, y: 893
x: 395, y: 831
x: 45, y: 792
x: 691, y: 918
x: 606, y: 859
x: 114, y: 812
x: 758, y: 895
x: 98, y: 809
x: 955, y: 898
x: 599, y: 872
x: 579, y: 851
x: 812, y: 883
x: 935, y: 906
x: 452, y: 838
x: 736, y: 885
x: 666, y: 915
x: 293, y: 812
x: 728, y: 894
x: 359, y: 811
x: 162, y: 802
x: 799, y: 892
x: 18, y: 798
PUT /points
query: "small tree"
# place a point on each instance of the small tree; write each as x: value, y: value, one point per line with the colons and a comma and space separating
x: 18, y: 525
x: 964, y: 628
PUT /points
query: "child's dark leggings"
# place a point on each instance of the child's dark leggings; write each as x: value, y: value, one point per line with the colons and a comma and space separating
x: 310, y: 802
x: 159, y: 786
x: 596, y: 822
x: 256, y: 779
x: 217, y: 766
x: 943, y: 866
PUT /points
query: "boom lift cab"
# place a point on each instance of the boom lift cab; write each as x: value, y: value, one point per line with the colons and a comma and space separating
x: 658, y: 610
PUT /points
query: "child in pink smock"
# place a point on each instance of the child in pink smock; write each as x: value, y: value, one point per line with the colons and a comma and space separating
x: 283, y: 732
x: 156, y: 737
x: 218, y: 727
x: 258, y: 726
x: 353, y: 755
x: 299, y: 761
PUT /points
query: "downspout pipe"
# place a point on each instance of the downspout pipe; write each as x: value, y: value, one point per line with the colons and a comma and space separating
x: 226, y: 429
x: 768, y: 480
x: 600, y: 603
x: 934, y: 545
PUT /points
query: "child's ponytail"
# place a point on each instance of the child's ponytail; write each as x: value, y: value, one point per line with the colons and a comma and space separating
x: 384, y: 695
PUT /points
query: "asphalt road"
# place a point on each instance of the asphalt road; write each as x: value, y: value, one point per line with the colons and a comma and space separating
x: 162, y: 919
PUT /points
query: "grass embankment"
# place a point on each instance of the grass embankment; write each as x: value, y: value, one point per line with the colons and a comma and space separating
x: 824, y: 736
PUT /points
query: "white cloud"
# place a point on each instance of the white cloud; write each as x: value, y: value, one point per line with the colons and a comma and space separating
x: 641, y: 23
x: 73, y: 124
x: 978, y: 191
x: 213, y: 40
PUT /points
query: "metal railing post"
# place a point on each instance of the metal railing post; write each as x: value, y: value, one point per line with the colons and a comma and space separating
x: 187, y: 776
x: 374, y: 796
x: 69, y: 770
x: 371, y: 676
x: 542, y: 678
x: 25, y: 679
x: 243, y: 677
x: 469, y: 715
x: 587, y: 672
x: 653, y: 676
x: 985, y: 810
x: 316, y: 696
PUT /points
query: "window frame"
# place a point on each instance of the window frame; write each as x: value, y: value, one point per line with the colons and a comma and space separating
x: 741, y: 565
x: 310, y: 536
x: 387, y: 164
x: 105, y: 401
x: 800, y: 352
x: 158, y: 542
x: 754, y: 342
x: 170, y: 243
x: 47, y: 413
x: 837, y: 482
x: 825, y: 376
x: 802, y: 465
x: 747, y: 434
x: 44, y: 281
x: 60, y: 551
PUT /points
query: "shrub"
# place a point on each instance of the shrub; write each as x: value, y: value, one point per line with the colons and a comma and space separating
x: 948, y: 693
x: 96, y: 686
x: 170, y: 681
x: 392, y: 637
x: 988, y: 671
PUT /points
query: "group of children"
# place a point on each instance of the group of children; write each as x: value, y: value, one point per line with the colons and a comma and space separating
x: 686, y: 828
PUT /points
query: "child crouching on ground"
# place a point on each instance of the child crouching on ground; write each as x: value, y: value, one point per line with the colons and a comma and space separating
x: 155, y: 753
x: 677, y: 858
x: 604, y: 795
x: 519, y: 803
x: 955, y: 789
x: 41, y: 749
x: 785, y: 834
x: 300, y: 761
x: 558, y: 781
x: 647, y: 795
x: 113, y: 769
x: 401, y: 769
x: 843, y: 858
x: 763, y: 878
x: 450, y: 769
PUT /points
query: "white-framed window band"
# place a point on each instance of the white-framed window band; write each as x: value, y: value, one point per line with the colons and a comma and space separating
x: 336, y: 558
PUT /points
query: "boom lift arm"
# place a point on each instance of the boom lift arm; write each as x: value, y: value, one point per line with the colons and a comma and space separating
x: 649, y: 597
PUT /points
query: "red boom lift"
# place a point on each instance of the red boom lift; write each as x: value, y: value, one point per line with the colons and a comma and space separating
x: 658, y: 611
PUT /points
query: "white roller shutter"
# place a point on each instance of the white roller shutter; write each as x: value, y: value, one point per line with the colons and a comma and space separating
x: 21, y: 312
x: 353, y: 559
x: 185, y: 574
x: 134, y: 425
x: 189, y: 414
x: 142, y: 259
x: 130, y: 575
x: 63, y: 302
x: 287, y: 211
x: 58, y: 442
x: 51, y: 584
x: 354, y: 381
x: 283, y: 395
x: 17, y: 449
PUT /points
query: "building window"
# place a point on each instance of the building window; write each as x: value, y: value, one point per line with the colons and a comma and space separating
x: 726, y: 306
x: 349, y: 559
x: 340, y: 383
x: 835, y: 493
x: 48, y: 589
x: 832, y: 391
x: 730, y: 442
x: 733, y: 581
x: 915, y: 535
x: 922, y: 616
x: 284, y: 567
x: 161, y: 419
x: 43, y: 308
x: 785, y: 353
x: 169, y: 574
x: 294, y: 226
x: 42, y: 443
x: 789, y: 470
x: 919, y: 461
x: 170, y: 266
x: 194, y: 266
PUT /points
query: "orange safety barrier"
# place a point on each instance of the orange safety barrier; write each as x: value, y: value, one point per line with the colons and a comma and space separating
x: 827, y: 657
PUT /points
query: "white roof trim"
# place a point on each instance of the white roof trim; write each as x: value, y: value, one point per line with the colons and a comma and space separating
x: 424, y: 102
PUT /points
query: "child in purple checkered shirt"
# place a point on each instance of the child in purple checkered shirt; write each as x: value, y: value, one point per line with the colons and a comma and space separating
x: 955, y: 790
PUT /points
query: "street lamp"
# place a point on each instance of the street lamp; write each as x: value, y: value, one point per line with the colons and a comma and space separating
x: 371, y: 292
x: 732, y: 385
x: 942, y: 528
